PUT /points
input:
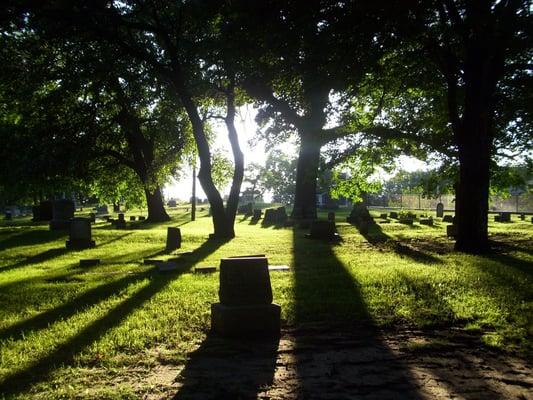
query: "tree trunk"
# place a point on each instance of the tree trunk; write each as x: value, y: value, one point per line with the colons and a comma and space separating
x: 306, y: 177
x: 156, y: 207
x: 238, y: 172
x: 193, y: 197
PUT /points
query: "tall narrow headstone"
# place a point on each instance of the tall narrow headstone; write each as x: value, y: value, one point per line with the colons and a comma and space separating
x: 440, y: 210
x: 173, y: 238
x: 63, y: 212
x: 120, y: 222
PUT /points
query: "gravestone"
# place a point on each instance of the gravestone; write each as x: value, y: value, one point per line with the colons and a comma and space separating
x: 92, y: 217
x: 440, y: 210
x: 523, y: 217
x: 270, y: 216
x: 383, y: 215
x: 80, y: 234
x: 62, y: 213
x: 120, y: 222
x: 497, y: 218
x: 505, y: 217
x: 173, y: 238
x: 451, y: 230
x: 447, y: 218
x: 360, y: 216
x: 258, y: 213
x: 172, y: 203
x: 43, y: 212
x: 245, y: 308
x: 406, y: 220
x: 426, y: 221
x: 102, y: 210
x: 132, y: 218
x: 281, y: 215
x: 141, y: 218
x: 323, y: 230
x: 393, y: 215
x: 331, y: 216
x: 116, y: 208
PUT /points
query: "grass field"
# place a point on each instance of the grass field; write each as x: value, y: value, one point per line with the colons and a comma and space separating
x: 66, y: 331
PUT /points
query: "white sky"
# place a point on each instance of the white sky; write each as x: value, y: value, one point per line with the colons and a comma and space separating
x: 246, y: 128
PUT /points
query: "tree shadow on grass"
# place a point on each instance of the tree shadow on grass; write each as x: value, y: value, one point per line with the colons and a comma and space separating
x: 328, y: 301
x: 64, y: 354
x: 36, y: 259
x: 376, y: 237
x: 30, y: 238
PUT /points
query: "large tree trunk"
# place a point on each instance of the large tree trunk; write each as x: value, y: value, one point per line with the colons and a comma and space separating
x: 156, y: 207
x: 238, y: 172
x: 306, y: 177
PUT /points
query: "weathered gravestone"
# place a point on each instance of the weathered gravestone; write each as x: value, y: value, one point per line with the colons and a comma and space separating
x: 173, y: 238
x: 245, y: 309
x: 505, y: 217
x: 141, y: 218
x: 102, y: 210
x: 270, y: 217
x: 80, y: 234
x: 451, y: 230
x: 258, y: 213
x: 116, y: 208
x: 523, y: 217
x: 43, y: 212
x: 393, y: 215
x: 440, y: 210
x: 383, y: 215
x: 447, y: 218
x: 62, y: 213
x: 406, y: 220
x: 172, y: 203
x: 281, y: 215
x: 323, y: 230
x: 120, y: 222
x: 360, y: 215
x: 426, y: 221
x: 132, y: 218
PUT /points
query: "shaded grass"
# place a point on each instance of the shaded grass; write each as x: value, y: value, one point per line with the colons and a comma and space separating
x: 60, y: 322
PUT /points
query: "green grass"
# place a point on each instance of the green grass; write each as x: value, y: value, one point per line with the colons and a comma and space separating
x: 71, y: 332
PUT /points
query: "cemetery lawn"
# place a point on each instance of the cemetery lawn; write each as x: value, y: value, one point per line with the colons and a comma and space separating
x: 100, y: 332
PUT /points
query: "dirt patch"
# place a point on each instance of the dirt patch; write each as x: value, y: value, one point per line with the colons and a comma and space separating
x: 360, y: 363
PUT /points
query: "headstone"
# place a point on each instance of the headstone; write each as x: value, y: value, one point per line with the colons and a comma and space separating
x: 132, y: 218
x: 447, y: 218
x: 102, y: 210
x: 383, y: 215
x: 141, y: 218
x: 173, y: 238
x: 258, y: 213
x: 323, y: 230
x: 440, y: 210
x: 497, y: 218
x: 406, y: 220
x: 451, y: 230
x: 172, y: 203
x: 89, y: 262
x: 360, y: 215
x: 270, y: 216
x: 120, y: 222
x: 505, y: 217
x: 523, y: 217
x: 62, y: 212
x: 393, y: 215
x: 245, y: 308
x: 426, y: 221
x: 80, y: 234
x: 281, y: 215
x: 116, y: 208
x: 43, y: 212
x: 92, y: 217
x: 331, y: 216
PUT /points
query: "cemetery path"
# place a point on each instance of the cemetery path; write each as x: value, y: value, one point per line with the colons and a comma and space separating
x: 363, y: 363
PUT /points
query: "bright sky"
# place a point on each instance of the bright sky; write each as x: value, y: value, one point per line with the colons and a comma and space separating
x: 246, y: 128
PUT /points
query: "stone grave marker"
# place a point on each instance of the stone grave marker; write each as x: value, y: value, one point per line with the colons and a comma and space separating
x: 426, y: 221
x: 281, y: 215
x: 89, y: 262
x: 116, y: 208
x: 406, y: 220
x: 80, y: 234
x: 258, y: 213
x: 92, y: 217
x: 447, y: 218
x: 102, y: 210
x: 246, y: 209
x: 523, y: 217
x: 383, y: 216
x: 172, y: 203
x: 440, y: 210
x: 120, y: 222
x: 393, y: 215
x: 245, y: 308
x: 141, y: 218
x: 173, y: 239
x: 505, y: 217
x: 323, y: 230
x: 62, y: 213
x: 132, y: 218
x: 497, y: 218
x: 451, y: 230
x: 270, y: 216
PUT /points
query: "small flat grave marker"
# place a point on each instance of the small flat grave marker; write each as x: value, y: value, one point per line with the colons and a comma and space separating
x: 151, y: 261
x: 205, y: 270
x: 166, y: 266
x: 89, y: 262
x: 279, y: 268
x: 447, y: 218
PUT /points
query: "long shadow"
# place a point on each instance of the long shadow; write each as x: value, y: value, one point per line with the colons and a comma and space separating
x: 338, y: 348
x: 94, y: 296
x: 30, y: 238
x: 64, y: 354
x: 376, y: 237
x: 38, y: 258
x: 228, y: 369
